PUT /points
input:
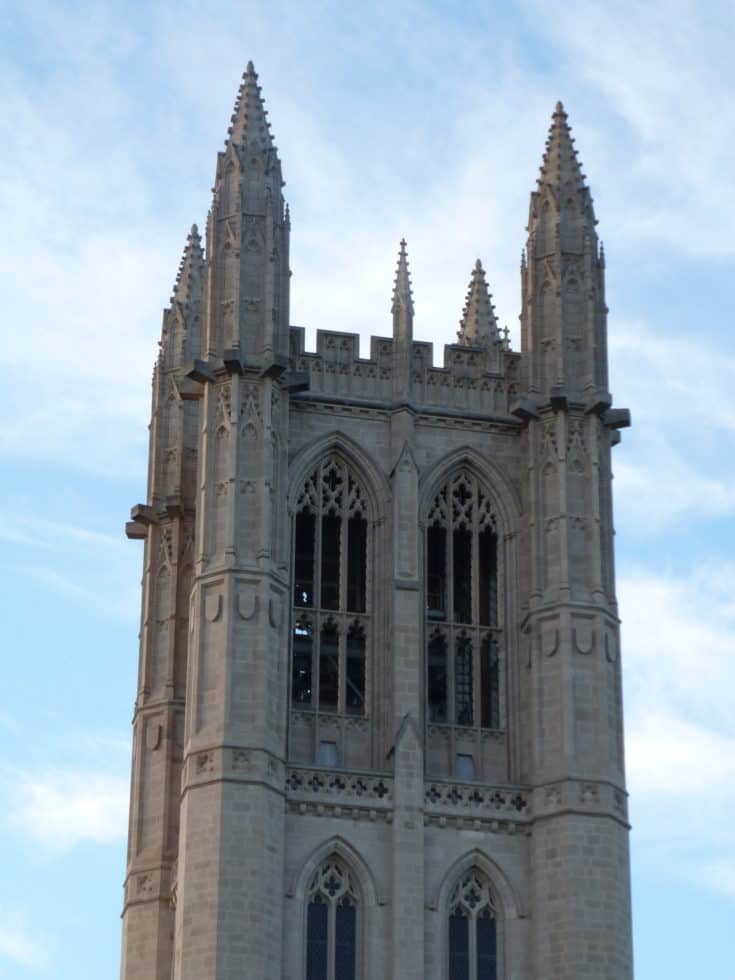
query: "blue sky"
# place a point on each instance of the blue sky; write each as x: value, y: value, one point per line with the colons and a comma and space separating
x: 420, y: 119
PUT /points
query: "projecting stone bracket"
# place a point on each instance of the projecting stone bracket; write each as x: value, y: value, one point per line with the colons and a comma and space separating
x: 558, y: 398
x: 616, y: 418
x: 599, y: 402
x: 275, y: 367
x: 141, y: 518
x: 295, y: 381
x: 201, y: 371
x: 234, y: 364
x: 524, y: 409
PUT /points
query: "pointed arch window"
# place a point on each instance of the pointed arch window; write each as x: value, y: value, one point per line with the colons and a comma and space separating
x: 331, y: 924
x: 331, y: 630
x: 463, y: 622
x: 473, y: 934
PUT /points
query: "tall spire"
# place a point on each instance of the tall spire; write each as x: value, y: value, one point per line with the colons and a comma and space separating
x: 402, y: 298
x: 560, y: 165
x: 478, y: 326
x: 191, y: 269
x: 249, y: 118
x: 563, y: 315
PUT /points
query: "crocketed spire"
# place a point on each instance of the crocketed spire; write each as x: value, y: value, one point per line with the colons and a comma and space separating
x: 402, y: 298
x: 191, y: 269
x: 249, y: 118
x: 478, y: 326
x: 560, y: 165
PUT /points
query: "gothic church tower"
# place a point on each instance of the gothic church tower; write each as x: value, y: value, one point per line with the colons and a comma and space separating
x: 378, y: 727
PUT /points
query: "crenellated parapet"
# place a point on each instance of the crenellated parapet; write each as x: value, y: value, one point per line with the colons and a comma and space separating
x: 474, y: 380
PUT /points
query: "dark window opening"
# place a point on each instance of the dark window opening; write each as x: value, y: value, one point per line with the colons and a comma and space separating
x: 463, y: 681
x: 345, y: 940
x: 356, y: 563
x: 301, y: 674
x: 437, y: 680
x: 459, y: 946
x: 436, y: 572
x: 462, y: 570
x: 316, y: 939
x: 488, y: 556
x: 329, y: 667
x: 486, y: 947
x: 490, y: 683
x: 303, y: 593
x: 355, y: 695
x: 331, y: 527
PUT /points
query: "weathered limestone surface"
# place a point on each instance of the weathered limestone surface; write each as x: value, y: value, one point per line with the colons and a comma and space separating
x: 233, y: 810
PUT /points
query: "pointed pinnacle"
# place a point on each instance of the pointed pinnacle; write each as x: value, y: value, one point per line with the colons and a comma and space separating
x: 478, y: 326
x: 560, y: 164
x: 191, y: 267
x: 249, y: 118
x: 402, y: 298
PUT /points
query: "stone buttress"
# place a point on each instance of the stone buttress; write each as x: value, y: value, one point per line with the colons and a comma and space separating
x: 166, y: 523
x: 573, y: 711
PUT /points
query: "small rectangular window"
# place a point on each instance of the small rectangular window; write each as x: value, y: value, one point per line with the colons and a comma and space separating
x: 464, y: 767
x: 327, y: 754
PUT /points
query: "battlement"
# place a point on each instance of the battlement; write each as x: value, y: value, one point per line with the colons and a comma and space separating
x: 477, y: 380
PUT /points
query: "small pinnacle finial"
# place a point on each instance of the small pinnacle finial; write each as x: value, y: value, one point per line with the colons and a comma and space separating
x: 249, y: 120
x: 478, y: 326
x: 402, y: 297
x: 191, y: 266
x: 560, y: 165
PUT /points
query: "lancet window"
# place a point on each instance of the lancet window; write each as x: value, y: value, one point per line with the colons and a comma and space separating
x: 473, y: 934
x: 331, y: 924
x: 331, y: 626
x: 463, y: 625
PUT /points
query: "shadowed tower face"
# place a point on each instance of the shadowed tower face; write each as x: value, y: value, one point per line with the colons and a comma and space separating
x: 378, y: 726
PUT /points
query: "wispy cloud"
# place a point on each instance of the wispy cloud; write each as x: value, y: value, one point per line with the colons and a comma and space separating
x: 679, y: 670
x: 652, y: 73
x: 57, y: 809
x: 18, y: 944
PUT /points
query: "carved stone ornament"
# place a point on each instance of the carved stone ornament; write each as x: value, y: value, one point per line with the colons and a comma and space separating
x: 550, y: 641
x: 154, y: 736
x: 611, y: 648
x: 275, y: 611
x: 247, y: 601
x: 584, y: 637
x: 213, y: 606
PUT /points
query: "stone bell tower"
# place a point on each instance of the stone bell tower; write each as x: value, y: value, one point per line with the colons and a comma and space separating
x: 378, y: 726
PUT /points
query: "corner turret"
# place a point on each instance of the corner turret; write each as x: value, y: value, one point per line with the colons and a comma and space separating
x: 563, y: 319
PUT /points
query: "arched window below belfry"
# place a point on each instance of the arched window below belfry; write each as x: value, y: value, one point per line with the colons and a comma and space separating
x: 332, y: 923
